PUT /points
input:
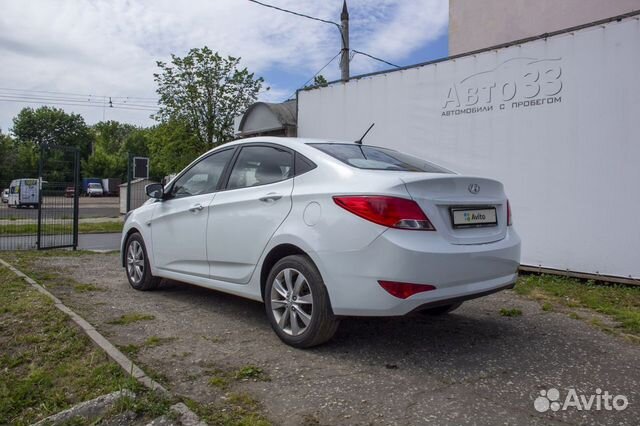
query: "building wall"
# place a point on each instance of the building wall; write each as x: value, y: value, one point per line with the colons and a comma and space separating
x: 475, y: 24
x: 555, y: 120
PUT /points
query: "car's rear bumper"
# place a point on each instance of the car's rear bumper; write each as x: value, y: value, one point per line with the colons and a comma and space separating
x: 458, y: 272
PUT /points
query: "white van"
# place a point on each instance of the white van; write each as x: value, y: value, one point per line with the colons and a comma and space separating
x: 24, y: 193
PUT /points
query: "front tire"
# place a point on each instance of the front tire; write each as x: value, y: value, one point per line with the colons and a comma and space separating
x: 137, y: 265
x: 297, y: 303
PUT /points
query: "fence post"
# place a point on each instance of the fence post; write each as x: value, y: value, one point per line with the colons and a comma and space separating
x: 76, y: 197
x: 40, y: 173
x: 129, y: 174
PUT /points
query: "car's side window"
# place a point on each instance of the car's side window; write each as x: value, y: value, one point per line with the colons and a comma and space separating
x: 303, y: 164
x: 203, y: 177
x: 260, y: 165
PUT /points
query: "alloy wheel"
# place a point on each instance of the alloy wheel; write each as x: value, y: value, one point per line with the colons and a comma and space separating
x: 292, y: 301
x: 135, y: 262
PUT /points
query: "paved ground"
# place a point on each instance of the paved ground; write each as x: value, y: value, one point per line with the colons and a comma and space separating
x: 470, y: 367
x: 89, y: 207
x: 109, y: 241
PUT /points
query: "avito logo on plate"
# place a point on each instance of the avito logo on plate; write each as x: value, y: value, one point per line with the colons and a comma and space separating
x: 468, y: 217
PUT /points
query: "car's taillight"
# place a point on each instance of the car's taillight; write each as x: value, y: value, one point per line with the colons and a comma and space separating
x: 404, y: 290
x: 387, y: 211
x: 509, y: 219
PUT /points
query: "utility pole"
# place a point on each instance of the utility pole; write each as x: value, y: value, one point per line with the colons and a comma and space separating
x: 343, y: 27
x: 344, y: 31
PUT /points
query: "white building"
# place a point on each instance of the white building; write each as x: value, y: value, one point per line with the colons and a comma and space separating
x: 476, y: 24
x: 554, y: 116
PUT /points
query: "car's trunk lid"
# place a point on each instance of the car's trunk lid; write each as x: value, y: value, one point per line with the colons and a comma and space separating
x: 439, y: 195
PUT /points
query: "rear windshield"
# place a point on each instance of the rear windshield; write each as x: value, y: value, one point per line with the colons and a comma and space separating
x: 376, y: 158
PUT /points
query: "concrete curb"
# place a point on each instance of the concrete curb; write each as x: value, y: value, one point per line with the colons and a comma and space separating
x: 187, y: 416
x: 94, y: 335
x: 88, y: 409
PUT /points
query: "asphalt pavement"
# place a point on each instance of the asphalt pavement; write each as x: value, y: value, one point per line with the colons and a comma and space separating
x: 61, y: 207
x: 106, y: 242
x: 473, y: 366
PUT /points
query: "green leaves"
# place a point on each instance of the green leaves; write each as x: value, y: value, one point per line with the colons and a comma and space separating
x: 200, y: 96
x: 46, y: 126
x: 206, y: 92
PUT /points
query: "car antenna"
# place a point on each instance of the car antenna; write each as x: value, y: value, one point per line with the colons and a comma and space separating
x: 359, y: 141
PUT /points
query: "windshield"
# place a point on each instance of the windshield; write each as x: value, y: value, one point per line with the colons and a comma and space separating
x: 376, y: 158
x: 95, y: 186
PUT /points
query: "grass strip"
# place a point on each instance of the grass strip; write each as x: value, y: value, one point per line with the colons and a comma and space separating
x: 618, y: 301
x: 46, y: 363
x: 61, y: 228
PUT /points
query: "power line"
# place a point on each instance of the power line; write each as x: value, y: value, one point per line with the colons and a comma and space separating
x: 297, y: 13
x: 99, y: 101
x: 45, y: 91
x: 377, y: 59
x: 344, y: 42
x: 94, y: 105
x: 314, y: 76
x: 74, y: 94
x: 53, y: 101
x: 48, y: 98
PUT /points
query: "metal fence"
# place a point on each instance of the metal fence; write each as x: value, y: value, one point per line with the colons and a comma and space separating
x: 58, y: 213
x: 19, y: 210
x: 39, y: 206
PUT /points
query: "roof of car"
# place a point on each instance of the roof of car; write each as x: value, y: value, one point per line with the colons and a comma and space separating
x: 287, y: 141
x: 293, y: 143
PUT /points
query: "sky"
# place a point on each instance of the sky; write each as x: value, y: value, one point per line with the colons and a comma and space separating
x: 79, y: 51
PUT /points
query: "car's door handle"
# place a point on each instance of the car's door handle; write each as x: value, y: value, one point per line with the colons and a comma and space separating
x: 271, y: 197
x: 196, y: 207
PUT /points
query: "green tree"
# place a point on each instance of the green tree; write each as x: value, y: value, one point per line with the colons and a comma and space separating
x: 172, y: 146
x: 7, y: 160
x: 17, y: 160
x: 319, y: 80
x: 111, y: 135
x: 47, y: 126
x: 206, y: 92
x: 109, y: 156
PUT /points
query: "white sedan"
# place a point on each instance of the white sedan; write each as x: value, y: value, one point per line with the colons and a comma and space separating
x: 319, y: 230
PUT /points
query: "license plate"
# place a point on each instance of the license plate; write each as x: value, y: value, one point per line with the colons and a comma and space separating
x: 467, y: 218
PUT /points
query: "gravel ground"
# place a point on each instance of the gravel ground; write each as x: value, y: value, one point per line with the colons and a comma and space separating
x: 469, y: 367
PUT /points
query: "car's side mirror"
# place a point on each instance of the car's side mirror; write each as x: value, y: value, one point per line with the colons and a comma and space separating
x: 155, y: 190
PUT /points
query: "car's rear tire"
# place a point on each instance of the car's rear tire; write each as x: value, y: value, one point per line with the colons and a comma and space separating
x: 297, y: 303
x: 137, y: 264
x: 441, y: 310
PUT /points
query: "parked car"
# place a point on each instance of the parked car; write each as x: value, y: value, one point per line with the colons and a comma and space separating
x: 24, y: 193
x: 319, y: 230
x: 5, y: 196
x: 94, y: 190
x: 70, y: 192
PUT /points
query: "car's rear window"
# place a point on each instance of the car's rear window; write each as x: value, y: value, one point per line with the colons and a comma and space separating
x: 376, y: 158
